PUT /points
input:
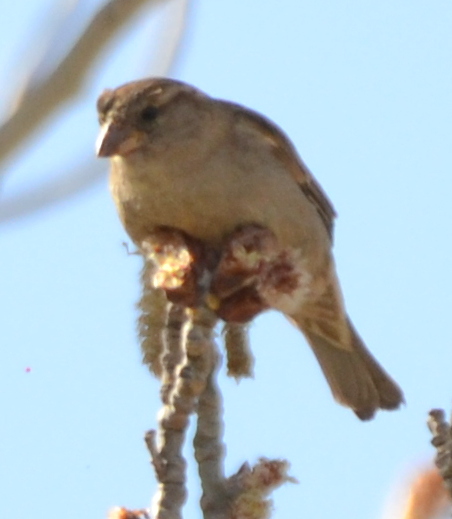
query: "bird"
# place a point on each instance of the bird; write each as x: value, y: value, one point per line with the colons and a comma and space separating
x: 205, y: 166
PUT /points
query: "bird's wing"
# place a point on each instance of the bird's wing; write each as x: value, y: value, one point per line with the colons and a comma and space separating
x: 286, y: 152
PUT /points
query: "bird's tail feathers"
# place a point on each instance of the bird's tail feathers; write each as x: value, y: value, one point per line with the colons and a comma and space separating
x: 356, y: 379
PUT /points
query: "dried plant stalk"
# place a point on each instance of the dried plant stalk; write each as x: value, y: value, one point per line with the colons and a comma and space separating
x: 183, y: 383
x: 152, y: 321
x: 178, y: 341
x: 240, y: 360
x: 255, y: 485
x: 442, y: 441
x: 173, y: 352
x: 210, y: 449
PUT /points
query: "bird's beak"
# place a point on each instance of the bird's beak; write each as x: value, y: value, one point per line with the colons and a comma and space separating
x: 115, y: 139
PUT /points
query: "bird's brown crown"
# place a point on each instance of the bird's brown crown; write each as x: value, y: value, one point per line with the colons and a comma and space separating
x: 142, y: 96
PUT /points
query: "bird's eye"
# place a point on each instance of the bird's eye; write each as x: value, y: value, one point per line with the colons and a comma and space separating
x: 148, y: 114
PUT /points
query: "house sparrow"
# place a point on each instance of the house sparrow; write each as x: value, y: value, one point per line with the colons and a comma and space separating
x: 182, y: 160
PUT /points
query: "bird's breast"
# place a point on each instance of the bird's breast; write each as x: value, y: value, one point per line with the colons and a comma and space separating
x: 209, y: 200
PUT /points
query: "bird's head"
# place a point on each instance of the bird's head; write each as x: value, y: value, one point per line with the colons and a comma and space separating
x: 141, y: 115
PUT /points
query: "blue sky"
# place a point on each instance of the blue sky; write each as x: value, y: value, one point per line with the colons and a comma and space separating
x: 364, y: 91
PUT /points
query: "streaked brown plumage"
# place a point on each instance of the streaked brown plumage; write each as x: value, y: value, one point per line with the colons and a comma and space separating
x: 184, y: 160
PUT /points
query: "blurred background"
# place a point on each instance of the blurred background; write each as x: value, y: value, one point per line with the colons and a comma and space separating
x: 364, y: 90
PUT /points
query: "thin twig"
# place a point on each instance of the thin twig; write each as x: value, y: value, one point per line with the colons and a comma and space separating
x: 77, y: 179
x: 210, y: 450
x: 150, y: 438
x: 171, y: 39
x: 41, y: 50
x: 442, y: 441
x: 173, y: 352
x: 189, y: 383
